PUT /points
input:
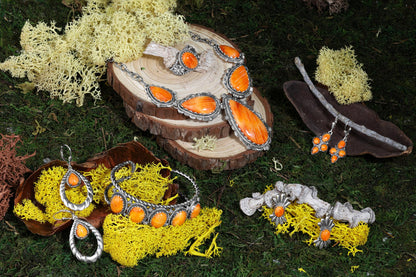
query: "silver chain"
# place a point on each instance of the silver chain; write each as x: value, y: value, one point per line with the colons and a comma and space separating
x: 132, y: 74
x: 198, y: 38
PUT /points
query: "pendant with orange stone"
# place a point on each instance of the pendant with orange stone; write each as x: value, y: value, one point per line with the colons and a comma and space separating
x: 339, y: 151
x: 320, y: 144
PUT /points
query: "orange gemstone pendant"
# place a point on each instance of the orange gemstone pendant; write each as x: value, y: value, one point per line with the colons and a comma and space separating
x: 160, y: 96
x: 238, y: 81
x: 248, y: 126
x: 229, y: 54
x: 186, y: 60
x: 201, y: 106
x: 81, y: 231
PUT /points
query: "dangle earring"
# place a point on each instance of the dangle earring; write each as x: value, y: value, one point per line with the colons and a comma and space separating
x: 73, y: 179
x: 321, y: 143
x: 339, y: 151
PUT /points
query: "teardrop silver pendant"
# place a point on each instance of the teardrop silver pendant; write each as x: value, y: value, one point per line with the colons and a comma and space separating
x: 73, y: 179
x: 80, y: 229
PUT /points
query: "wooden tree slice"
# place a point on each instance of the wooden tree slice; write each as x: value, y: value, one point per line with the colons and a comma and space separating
x: 229, y: 153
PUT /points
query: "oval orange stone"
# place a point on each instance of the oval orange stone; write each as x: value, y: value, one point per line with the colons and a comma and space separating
x: 315, y: 150
x: 325, y: 234
x: 239, y: 79
x: 137, y: 214
x: 279, y: 211
x: 190, y: 60
x: 179, y: 218
x: 159, y: 219
x: 342, y: 153
x: 161, y: 94
x: 249, y: 123
x: 200, y: 104
x: 332, y: 150
x: 324, y: 147
x: 230, y: 51
x: 326, y: 137
x: 316, y: 140
x: 73, y: 179
x: 341, y: 144
x: 334, y: 159
x: 196, y: 211
x: 81, y: 231
x: 117, y: 204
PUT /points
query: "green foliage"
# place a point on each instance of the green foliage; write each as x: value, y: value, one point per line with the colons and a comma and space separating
x: 271, y: 34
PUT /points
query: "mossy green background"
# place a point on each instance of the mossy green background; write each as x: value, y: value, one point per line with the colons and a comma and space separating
x: 270, y: 33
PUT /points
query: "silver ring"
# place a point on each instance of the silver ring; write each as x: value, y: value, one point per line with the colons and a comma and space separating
x: 187, y: 60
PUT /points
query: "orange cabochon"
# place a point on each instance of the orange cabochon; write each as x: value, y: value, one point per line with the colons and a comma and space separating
x: 179, y: 218
x: 196, y: 211
x: 137, y: 214
x: 325, y: 234
x: 326, y: 137
x: 239, y: 79
x: 190, y: 60
x: 315, y: 150
x: 81, y: 231
x: 73, y: 179
x: 159, y: 219
x: 161, y: 94
x: 249, y: 123
x: 324, y: 147
x: 279, y: 211
x: 200, y: 104
x: 341, y: 144
x: 316, y: 140
x: 230, y: 51
x: 117, y: 204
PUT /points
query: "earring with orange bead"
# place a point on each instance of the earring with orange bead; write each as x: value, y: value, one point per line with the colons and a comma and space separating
x: 339, y: 151
x: 320, y: 144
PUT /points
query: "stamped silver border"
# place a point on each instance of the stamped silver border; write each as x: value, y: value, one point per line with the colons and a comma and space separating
x: 156, y: 101
x: 198, y: 116
x: 179, y: 68
x: 227, y: 58
x: 236, y: 93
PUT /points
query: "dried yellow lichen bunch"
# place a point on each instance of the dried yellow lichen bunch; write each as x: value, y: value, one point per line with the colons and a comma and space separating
x: 301, y: 218
x: 343, y: 75
x: 70, y: 65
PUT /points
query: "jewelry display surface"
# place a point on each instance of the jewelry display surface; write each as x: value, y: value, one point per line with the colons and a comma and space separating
x: 177, y: 132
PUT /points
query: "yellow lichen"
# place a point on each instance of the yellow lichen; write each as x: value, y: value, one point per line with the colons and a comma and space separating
x: 205, y: 143
x: 343, y: 75
x: 70, y: 65
x: 128, y: 242
x: 29, y: 211
x: 301, y: 218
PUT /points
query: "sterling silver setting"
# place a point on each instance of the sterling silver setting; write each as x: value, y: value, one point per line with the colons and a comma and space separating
x: 179, y: 68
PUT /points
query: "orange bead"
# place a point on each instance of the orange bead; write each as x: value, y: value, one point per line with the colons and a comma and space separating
x: 190, y: 60
x: 314, y: 150
x: 137, y: 214
x: 161, y: 94
x: 332, y: 150
x: 239, y: 79
x: 341, y: 144
x: 230, y: 51
x: 342, y: 153
x: 81, y: 231
x: 334, y: 159
x: 316, y: 140
x: 324, y: 147
x: 325, y: 234
x: 279, y: 211
x: 196, y: 211
x: 179, y: 218
x: 200, y: 104
x: 249, y: 123
x: 73, y: 179
x: 326, y: 137
x: 159, y: 219
x: 117, y: 204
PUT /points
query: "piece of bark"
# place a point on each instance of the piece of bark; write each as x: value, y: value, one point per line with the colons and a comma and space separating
x: 133, y: 151
x: 319, y: 120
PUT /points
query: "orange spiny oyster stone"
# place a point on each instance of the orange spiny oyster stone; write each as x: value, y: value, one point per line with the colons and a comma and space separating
x: 341, y: 144
x: 316, y: 140
x: 249, y: 123
x: 239, y: 79
x: 179, y: 218
x: 324, y: 147
x: 200, y: 104
x: 314, y: 150
x: 190, y: 60
x: 73, y: 179
x: 161, y: 94
x: 117, y: 204
x: 159, y: 219
x: 334, y: 159
x: 325, y: 234
x: 81, y: 231
x: 332, y: 151
x: 279, y: 211
x: 230, y: 51
x: 326, y: 137
x: 196, y: 211
x: 342, y: 153
x: 137, y: 214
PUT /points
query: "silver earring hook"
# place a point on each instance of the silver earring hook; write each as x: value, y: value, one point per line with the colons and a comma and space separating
x: 70, y: 154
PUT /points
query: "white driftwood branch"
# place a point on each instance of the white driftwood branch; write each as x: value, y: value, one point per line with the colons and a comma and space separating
x: 342, y: 118
x: 308, y: 195
x: 206, y: 58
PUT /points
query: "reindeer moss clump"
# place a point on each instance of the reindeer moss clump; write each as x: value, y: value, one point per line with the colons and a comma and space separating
x: 343, y: 75
x: 70, y: 63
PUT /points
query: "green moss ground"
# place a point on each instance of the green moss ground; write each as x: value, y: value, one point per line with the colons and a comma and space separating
x: 271, y: 34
